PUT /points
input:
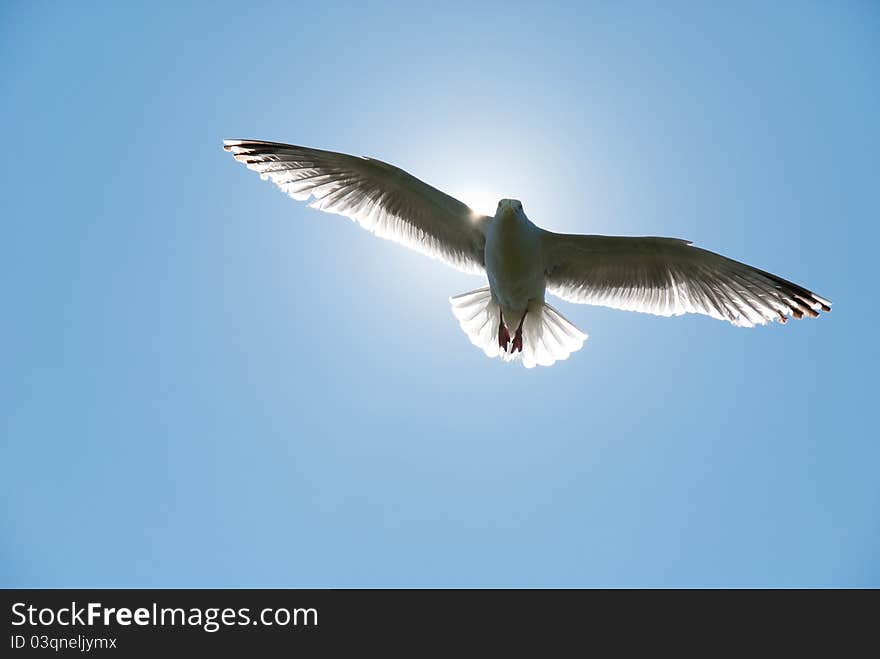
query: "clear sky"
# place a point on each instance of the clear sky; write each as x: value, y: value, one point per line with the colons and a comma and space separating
x: 205, y: 383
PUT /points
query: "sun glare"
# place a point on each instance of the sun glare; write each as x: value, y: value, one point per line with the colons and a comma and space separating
x: 482, y: 202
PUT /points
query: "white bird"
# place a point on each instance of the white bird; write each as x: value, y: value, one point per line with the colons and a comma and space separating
x: 662, y: 276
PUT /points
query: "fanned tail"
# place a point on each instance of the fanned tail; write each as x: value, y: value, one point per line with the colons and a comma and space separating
x: 547, y: 336
x: 479, y: 315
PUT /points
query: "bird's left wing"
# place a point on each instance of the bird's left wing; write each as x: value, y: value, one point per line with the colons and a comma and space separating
x: 669, y: 277
x: 382, y: 198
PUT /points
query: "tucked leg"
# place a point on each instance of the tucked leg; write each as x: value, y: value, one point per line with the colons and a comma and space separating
x: 503, y: 334
x: 517, y: 339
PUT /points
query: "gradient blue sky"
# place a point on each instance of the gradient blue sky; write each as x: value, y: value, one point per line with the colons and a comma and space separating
x: 205, y: 383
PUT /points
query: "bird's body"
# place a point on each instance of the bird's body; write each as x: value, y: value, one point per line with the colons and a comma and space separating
x: 514, y: 265
x: 510, y: 318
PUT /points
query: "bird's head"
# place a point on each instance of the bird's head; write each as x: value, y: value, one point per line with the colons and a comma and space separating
x: 508, y: 207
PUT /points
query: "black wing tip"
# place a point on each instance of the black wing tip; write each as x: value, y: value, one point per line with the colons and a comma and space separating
x: 256, y: 144
x: 806, y: 304
x: 229, y: 144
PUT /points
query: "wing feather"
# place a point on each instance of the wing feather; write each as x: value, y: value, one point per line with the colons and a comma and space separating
x: 670, y: 277
x: 383, y: 199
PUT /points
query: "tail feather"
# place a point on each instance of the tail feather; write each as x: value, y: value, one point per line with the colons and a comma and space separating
x: 479, y: 316
x: 547, y: 336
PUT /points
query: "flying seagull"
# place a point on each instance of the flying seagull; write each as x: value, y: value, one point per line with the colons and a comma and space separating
x: 509, y: 318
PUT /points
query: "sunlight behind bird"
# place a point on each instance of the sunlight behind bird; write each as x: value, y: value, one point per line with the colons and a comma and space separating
x: 510, y: 318
x: 481, y: 201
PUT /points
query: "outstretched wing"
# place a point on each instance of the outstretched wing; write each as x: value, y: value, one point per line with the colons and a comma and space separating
x: 383, y: 199
x: 669, y: 277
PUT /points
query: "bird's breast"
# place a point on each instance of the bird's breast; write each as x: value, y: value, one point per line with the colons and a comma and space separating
x: 513, y: 262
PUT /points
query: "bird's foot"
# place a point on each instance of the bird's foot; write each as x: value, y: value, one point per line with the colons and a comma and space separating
x: 503, y: 336
x: 517, y: 339
x: 517, y: 342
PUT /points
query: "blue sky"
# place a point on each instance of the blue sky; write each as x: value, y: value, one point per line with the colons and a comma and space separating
x: 205, y: 383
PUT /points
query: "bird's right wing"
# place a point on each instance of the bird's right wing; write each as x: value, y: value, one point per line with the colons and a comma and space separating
x: 383, y: 199
x: 669, y: 277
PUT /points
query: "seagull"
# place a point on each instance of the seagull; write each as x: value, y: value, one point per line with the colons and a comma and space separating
x: 510, y: 318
